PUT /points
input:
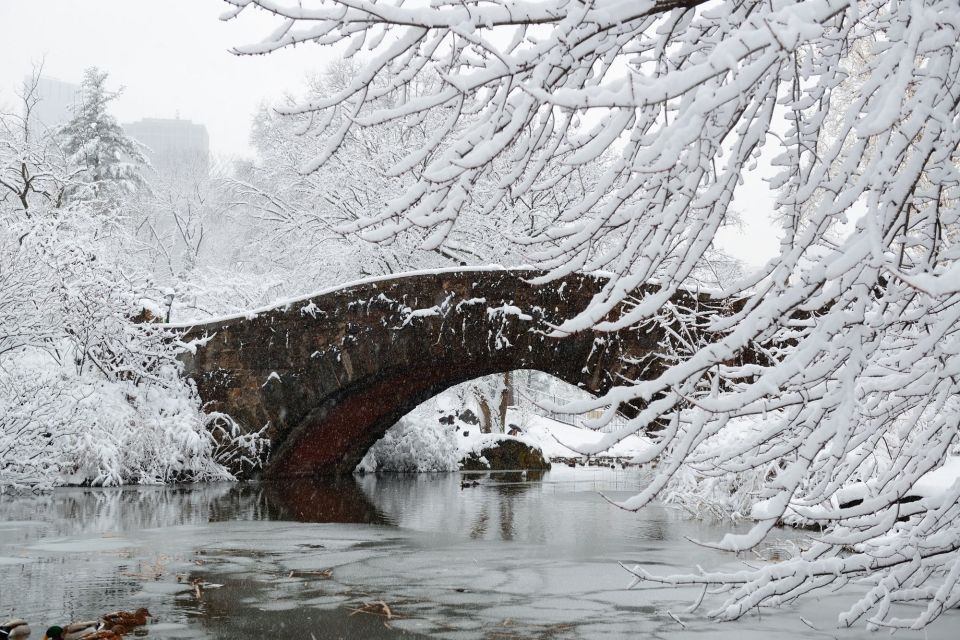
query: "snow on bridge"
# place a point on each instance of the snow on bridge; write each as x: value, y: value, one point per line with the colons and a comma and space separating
x: 327, y: 375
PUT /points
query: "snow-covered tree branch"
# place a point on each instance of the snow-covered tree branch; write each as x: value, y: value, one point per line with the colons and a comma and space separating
x: 672, y: 105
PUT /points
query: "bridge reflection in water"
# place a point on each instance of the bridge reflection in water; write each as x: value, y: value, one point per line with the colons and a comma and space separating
x: 448, y: 559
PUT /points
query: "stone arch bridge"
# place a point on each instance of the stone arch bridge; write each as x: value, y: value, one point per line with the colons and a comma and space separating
x: 329, y: 374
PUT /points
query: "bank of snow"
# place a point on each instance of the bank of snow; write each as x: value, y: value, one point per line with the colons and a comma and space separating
x: 560, y: 440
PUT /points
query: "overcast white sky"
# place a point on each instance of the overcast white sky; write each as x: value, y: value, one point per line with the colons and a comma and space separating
x: 174, y: 56
x: 168, y: 55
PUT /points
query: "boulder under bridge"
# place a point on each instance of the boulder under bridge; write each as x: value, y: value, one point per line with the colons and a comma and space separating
x: 328, y: 374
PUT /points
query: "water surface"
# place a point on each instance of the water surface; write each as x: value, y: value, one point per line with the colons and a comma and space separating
x: 392, y: 556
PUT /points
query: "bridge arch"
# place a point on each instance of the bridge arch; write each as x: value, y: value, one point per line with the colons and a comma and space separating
x: 329, y: 374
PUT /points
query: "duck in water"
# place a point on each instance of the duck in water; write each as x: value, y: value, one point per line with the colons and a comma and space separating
x: 123, y: 621
x: 88, y: 630
x: 14, y: 629
x: 110, y: 626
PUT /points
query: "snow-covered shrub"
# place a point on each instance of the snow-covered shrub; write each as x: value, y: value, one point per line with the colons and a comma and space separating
x: 59, y: 426
x: 413, y: 444
x: 88, y: 395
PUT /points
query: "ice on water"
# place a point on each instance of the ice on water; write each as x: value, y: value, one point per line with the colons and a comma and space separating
x: 532, y: 558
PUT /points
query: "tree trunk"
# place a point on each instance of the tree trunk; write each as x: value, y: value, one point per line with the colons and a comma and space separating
x: 506, y: 399
x: 486, y: 414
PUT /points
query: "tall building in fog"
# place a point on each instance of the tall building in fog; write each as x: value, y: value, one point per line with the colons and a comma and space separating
x: 174, y: 146
x: 56, y: 102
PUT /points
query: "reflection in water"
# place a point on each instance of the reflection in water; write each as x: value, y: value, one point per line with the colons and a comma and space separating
x: 77, y: 511
x: 61, y: 587
x: 322, y: 500
x: 485, y: 555
x: 445, y: 502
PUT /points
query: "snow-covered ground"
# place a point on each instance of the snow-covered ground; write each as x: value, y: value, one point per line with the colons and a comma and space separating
x: 560, y: 440
x: 420, y: 443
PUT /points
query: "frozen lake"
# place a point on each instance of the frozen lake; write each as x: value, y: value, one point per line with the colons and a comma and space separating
x: 515, y: 557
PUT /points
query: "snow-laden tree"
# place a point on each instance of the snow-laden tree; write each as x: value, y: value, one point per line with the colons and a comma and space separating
x: 309, y: 213
x: 31, y: 167
x: 88, y: 395
x: 109, y: 161
x: 856, y: 316
x: 303, y: 213
x: 175, y: 219
x: 306, y: 211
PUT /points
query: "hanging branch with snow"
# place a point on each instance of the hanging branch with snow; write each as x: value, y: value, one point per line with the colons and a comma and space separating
x: 674, y: 103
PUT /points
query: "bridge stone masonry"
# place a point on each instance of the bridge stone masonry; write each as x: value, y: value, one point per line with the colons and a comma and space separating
x: 329, y: 374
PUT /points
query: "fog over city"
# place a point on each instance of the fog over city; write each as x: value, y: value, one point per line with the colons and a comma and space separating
x: 171, y: 57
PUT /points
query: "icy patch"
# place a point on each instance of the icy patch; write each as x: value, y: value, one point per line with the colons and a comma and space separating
x: 165, y: 588
x: 93, y: 545
x: 280, y: 605
x: 167, y: 626
x: 324, y: 601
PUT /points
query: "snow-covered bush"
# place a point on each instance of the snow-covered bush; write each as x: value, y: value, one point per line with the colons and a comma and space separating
x: 88, y: 395
x: 413, y: 444
x: 59, y: 426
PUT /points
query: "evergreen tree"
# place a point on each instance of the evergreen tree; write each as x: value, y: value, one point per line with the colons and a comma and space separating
x: 105, y: 158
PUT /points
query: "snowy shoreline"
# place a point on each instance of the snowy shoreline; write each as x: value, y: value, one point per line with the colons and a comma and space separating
x: 419, y: 443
